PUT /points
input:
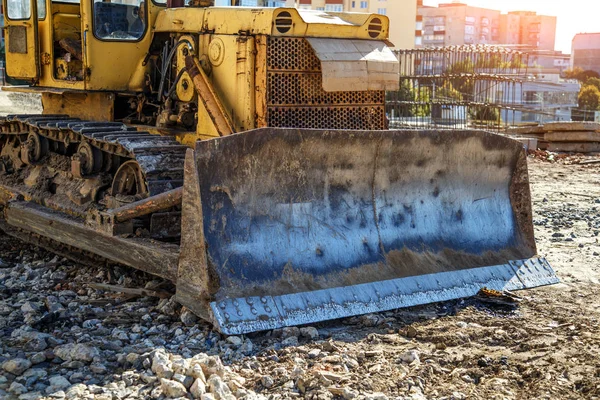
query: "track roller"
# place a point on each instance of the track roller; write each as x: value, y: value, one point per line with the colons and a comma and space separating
x: 34, y: 148
x: 129, y: 182
x: 87, y: 160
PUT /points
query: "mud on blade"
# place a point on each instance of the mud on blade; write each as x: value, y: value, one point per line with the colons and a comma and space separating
x: 297, y: 226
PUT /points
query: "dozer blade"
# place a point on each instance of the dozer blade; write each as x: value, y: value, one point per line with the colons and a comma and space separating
x: 284, y: 226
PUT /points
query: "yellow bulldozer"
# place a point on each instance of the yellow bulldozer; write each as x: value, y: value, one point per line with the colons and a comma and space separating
x: 244, y: 154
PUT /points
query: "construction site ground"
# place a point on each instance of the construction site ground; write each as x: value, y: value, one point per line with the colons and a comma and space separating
x: 64, y: 335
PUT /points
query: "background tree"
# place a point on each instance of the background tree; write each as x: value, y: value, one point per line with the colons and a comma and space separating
x: 580, y: 74
x: 447, y: 92
x: 485, y: 113
x: 589, y: 97
x: 410, y: 100
x: 461, y: 78
x: 593, y: 82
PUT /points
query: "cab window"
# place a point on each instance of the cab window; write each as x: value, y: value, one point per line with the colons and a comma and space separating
x: 119, y: 20
x: 21, y: 9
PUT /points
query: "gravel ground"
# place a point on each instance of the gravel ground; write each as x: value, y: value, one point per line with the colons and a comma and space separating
x: 62, y: 338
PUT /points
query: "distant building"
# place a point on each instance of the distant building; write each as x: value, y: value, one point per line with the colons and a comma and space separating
x: 585, y: 51
x: 456, y: 24
x: 528, y: 29
x: 546, y: 59
x: 548, y: 98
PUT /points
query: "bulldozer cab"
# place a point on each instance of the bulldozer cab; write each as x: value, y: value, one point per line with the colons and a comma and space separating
x: 21, y: 24
x: 75, y: 44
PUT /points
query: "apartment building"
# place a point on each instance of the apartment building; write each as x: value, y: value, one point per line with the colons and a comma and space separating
x: 528, y: 29
x: 460, y: 24
x: 585, y: 51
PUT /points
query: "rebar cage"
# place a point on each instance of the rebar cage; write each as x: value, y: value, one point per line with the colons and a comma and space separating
x: 457, y: 87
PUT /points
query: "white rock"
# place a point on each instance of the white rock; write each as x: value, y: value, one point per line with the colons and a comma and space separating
x: 98, y: 368
x: 235, y: 340
x: 17, y: 388
x: 267, y: 381
x: 95, y: 389
x: 29, y: 307
x: 132, y: 358
x: 31, y: 396
x: 290, y: 331
x: 309, y: 332
x: 172, y: 388
x: 290, y: 341
x: 207, y: 396
x: 196, y: 372
x: 148, y: 377
x: 161, y: 365
x: 39, y: 373
x: 16, y: 366
x: 76, y: 391
x: 180, y: 365
x: 314, y: 353
x: 409, y: 356
x: 376, y: 396
x: 297, y: 372
x: 76, y: 352
x: 57, y: 383
x: 198, y: 388
x: 211, y: 365
x: 184, y: 380
x: 369, y: 320
x: 187, y: 317
x: 349, y: 394
x: 346, y: 393
x: 38, y: 358
x: 247, y: 347
x: 218, y: 388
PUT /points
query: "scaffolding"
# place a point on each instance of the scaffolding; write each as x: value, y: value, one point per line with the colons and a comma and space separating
x: 457, y: 87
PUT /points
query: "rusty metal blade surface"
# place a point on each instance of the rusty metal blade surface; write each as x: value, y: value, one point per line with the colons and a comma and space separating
x: 278, y: 212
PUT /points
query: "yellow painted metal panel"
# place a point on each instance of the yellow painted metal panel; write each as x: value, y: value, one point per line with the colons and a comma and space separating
x: 232, y: 75
x: 21, y: 38
x: 95, y: 106
x: 263, y: 21
x: 185, y: 89
x: 63, y: 21
x: 112, y: 64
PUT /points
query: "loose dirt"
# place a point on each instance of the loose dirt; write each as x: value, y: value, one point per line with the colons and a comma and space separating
x: 545, y: 347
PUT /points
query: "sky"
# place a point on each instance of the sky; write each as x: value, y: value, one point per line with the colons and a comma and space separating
x: 573, y: 16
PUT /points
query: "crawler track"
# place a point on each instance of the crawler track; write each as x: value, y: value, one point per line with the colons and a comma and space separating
x: 75, y: 166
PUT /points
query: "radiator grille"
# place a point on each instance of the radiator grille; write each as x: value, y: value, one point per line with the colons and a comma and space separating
x: 296, y: 99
